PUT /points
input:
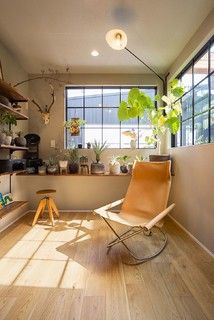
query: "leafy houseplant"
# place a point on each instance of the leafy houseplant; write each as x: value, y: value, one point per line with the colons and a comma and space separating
x: 8, y: 137
x: 73, y: 160
x: 52, y: 166
x: 123, y: 163
x: 7, y: 118
x: 63, y: 160
x: 114, y: 165
x: 166, y: 117
x: 98, y: 148
x: 73, y: 125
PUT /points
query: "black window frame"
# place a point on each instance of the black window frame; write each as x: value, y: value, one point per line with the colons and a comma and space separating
x: 120, y: 87
x: 205, y: 49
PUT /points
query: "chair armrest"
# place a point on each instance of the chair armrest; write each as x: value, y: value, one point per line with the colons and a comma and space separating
x: 108, y: 206
x: 159, y: 217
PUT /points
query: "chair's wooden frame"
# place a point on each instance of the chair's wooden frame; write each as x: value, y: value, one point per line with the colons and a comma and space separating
x: 52, y: 209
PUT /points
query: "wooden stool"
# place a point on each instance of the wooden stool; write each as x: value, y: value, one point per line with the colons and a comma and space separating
x: 46, y: 201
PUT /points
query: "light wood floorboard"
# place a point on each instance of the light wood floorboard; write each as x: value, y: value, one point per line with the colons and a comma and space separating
x: 63, y: 272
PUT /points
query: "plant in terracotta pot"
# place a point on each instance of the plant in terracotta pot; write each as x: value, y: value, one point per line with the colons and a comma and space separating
x: 98, y: 148
x: 123, y: 159
x: 73, y: 125
x: 162, y: 119
x: 20, y: 140
x: 114, y: 165
x: 73, y: 156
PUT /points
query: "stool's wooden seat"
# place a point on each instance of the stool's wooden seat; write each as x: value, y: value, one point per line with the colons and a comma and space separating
x: 45, y: 191
x: 46, y: 201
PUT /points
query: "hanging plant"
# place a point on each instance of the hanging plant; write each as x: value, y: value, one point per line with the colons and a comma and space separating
x: 73, y: 125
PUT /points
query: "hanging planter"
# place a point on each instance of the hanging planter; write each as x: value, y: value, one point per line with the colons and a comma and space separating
x: 73, y: 125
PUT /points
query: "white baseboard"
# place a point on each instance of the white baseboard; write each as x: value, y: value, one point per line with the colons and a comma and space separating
x: 194, y: 238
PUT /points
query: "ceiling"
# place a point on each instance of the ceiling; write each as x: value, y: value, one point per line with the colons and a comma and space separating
x: 53, y: 33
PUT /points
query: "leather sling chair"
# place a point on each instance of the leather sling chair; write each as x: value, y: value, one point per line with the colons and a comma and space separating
x: 143, y: 207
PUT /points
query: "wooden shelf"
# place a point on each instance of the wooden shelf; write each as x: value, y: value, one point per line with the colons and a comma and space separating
x: 17, y: 114
x: 74, y: 175
x: 12, y: 148
x: 11, y: 207
x: 10, y: 92
x: 12, y: 173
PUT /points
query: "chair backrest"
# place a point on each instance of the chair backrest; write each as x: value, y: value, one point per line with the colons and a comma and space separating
x: 149, y: 188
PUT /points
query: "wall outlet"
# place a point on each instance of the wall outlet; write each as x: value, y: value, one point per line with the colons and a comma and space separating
x: 53, y: 143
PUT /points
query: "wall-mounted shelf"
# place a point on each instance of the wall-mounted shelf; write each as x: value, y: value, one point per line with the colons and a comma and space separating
x: 10, y: 92
x: 17, y: 114
x: 12, y: 148
x: 12, y: 173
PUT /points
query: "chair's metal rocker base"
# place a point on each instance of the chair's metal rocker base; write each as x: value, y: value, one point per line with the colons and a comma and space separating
x: 120, y: 238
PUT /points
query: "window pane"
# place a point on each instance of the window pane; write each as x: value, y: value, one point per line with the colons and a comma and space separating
x: 75, y: 98
x: 74, y: 140
x: 187, y: 133
x: 201, y: 99
x: 112, y: 136
x: 93, y: 98
x: 187, y: 105
x: 145, y: 131
x: 212, y: 58
x: 92, y: 134
x: 150, y: 92
x: 201, y: 128
x: 186, y: 79
x: 178, y: 138
x: 212, y: 125
x: 73, y: 113
x: 110, y: 117
x: 93, y: 117
x: 124, y: 94
x: 212, y: 90
x: 201, y: 68
x: 111, y: 98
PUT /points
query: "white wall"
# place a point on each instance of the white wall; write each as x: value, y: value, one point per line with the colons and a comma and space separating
x: 193, y: 184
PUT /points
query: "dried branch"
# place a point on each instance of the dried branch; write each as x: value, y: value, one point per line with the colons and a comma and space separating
x: 53, y: 99
x: 40, y: 77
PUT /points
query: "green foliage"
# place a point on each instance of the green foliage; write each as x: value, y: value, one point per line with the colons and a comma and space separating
x: 123, y: 159
x: 98, y: 148
x: 74, y: 122
x: 7, y: 118
x: 166, y: 117
x: 73, y: 155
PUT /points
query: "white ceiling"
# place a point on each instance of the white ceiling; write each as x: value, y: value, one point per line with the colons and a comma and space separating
x: 57, y: 33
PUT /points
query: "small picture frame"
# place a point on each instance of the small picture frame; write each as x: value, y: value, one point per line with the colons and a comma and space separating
x: 1, y: 72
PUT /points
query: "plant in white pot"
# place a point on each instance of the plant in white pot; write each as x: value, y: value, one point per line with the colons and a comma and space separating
x: 114, y: 165
x: 63, y: 161
x: 123, y: 160
x: 162, y: 119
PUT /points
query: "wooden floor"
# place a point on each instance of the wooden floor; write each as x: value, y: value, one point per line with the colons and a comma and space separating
x: 64, y: 273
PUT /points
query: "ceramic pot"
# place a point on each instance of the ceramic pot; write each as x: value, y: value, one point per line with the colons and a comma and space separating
x: 63, y: 163
x: 52, y: 169
x: 124, y: 168
x: 20, y: 141
x: 97, y: 168
x: 74, y: 168
x: 114, y: 168
x: 8, y: 140
x: 2, y: 137
x: 42, y: 170
x: 133, y: 144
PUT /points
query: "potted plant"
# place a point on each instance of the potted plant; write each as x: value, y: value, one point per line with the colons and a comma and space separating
x: 2, y: 136
x: 8, y: 119
x: 73, y: 160
x: 133, y: 137
x: 8, y: 137
x: 52, y: 166
x: 20, y: 140
x: 63, y: 160
x: 123, y: 163
x: 114, y: 165
x: 98, y: 148
x: 162, y: 119
x: 73, y: 125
